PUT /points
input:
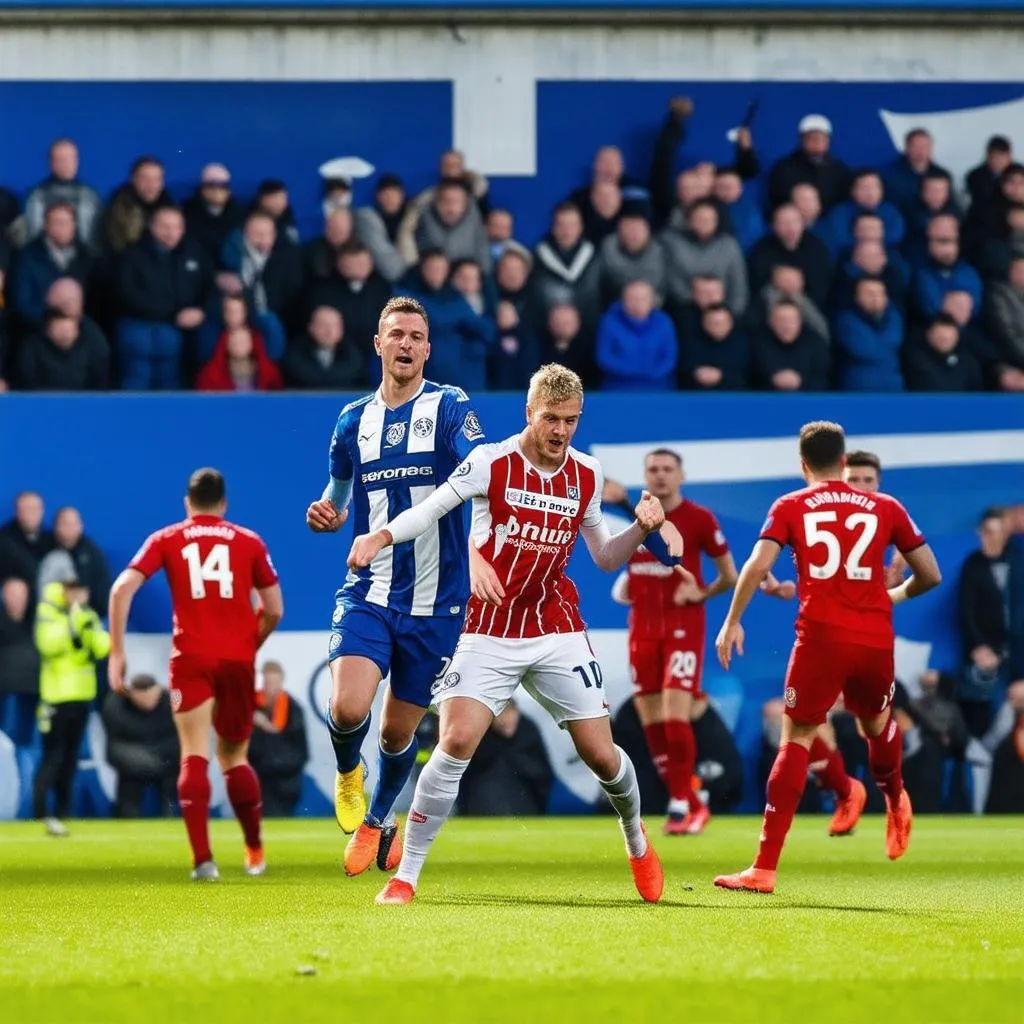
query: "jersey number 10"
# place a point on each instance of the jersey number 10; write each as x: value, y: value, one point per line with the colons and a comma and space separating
x: 215, y: 568
x: 864, y: 523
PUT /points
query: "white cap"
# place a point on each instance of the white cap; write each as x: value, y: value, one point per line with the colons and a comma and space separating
x: 815, y: 123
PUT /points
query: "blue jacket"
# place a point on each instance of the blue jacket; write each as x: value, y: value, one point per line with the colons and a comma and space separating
x: 931, y: 282
x: 903, y: 183
x: 839, y: 225
x: 868, y: 350
x: 35, y: 271
x: 636, y: 355
x: 918, y: 217
x: 459, y: 339
x: 748, y: 224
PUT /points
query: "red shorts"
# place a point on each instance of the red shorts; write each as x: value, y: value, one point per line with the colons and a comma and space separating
x: 819, y: 671
x: 231, y: 684
x: 669, y: 664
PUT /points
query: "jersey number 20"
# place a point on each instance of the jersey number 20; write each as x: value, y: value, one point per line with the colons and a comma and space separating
x: 215, y: 568
x: 863, y: 523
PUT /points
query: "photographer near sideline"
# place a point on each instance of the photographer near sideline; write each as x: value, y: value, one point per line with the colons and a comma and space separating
x: 70, y: 639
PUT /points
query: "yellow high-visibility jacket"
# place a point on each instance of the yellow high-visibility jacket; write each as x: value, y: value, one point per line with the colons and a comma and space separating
x: 70, y: 642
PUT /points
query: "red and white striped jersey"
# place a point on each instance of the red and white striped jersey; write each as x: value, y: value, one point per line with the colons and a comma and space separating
x: 525, y: 524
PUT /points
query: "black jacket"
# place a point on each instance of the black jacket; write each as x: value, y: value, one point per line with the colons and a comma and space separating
x: 731, y: 356
x: 303, y: 369
x: 279, y: 758
x: 93, y: 571
x: 982, y: 619
x: 925, y: 369
x: 43, y: 366
x: 811, y: 256
x: 155, y: 284
x: 359, y: 309
x: 1006, y: 792
x: 831, y: 177
x: 141, y: 745
x: 577, y: 356
x: 207, y: 230
x: 24, y: 552
x: 808, y: 355
x: 19, y: 657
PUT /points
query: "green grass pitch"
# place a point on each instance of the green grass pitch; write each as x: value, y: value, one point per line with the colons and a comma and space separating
x: 515, y: 920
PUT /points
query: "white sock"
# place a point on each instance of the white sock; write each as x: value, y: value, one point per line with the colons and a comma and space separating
x: 624, y: 795
x: 436, y: 790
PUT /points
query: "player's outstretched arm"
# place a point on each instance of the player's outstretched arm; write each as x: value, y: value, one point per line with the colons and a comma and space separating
x: 121, y: 595
x: 926, y: 575
x: 271, y: 612
x: 754, y: 570
x: 404, y: 527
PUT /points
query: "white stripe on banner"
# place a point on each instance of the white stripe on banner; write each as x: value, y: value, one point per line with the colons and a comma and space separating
x: 776, y: 458
x: 381, y: 568
x: 426, y: 558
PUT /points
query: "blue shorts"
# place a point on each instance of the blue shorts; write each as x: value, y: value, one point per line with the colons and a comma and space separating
x: 414, y: 649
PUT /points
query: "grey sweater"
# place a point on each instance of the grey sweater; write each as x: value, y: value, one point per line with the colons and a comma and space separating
x: 719, y: 257
x: 619, y: 267
x: 1006, y: 319
x: 466, y: 240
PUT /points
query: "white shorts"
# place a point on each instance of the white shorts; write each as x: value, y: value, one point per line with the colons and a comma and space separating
x: 560, y: 671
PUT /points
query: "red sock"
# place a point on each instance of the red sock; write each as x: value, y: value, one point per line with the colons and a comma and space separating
x: 885, y: 757
x: 828, y: 768
x: 194, y: 800
x: 785, y: 787
x: 682, y: 759
x: 246, y: 801
x: 658, y: 746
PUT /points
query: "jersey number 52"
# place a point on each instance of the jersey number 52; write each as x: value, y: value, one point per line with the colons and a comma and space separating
x: 215, y: 568
x: 863, y: 525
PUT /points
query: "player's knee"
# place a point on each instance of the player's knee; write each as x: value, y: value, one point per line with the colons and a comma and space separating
x: 603, y: 761
x: 459, y: 739
x: 393, y: 738
x: 346, y: 712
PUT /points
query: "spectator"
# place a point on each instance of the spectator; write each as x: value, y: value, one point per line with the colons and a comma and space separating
x: 792, y: 244
x: 278, y: 750
x: 786, y: 356
x: 745, y: 221
x: 212, y: 212
x: 867, y: 195
x: 995, y: 253
x: 944, y: 271
x: 868, y: 340
x: 991, y: 600
x: 132, y: 206
x: 636, y: 343
x: 273, y: 201
x: 938, y: 714
x: 322, y: 359
x: 718, y: 358
x: 807, y: 200
x: 870, y: 259
x: 973, y: 337
x: 87, y: 560
x: 19, y: 663
x: 510, y: 773
x: 705, y: 292
x: 787, y: 284
x: 377, y: 227
x: 517, y: 352
x: 24, y: 540
x: 163, y: 285
x: 609, y: 186
x: 63, y: 186
x: 500, y: 228
x: 702, y: 251
x: 1005, y: 319
x: 452, y: 167
x: 54, y: 254
x: 142, y: 745
x: 566, y: 271
x: 1006, y: 792
x: 904, y: 178
x: 240, y: 361
x: 935, y: 199
x: 321, y: 254
x: 70, y: 639
x: 934, y: 359
x: 66, y: 353
x: 989, y: 218
x: 811, y: 163
x: 458, y: 346
x: 567, y: 341
x: 468, y: 281
x: 451, y: 223
x: 982, y: 181
x: 631, y: 254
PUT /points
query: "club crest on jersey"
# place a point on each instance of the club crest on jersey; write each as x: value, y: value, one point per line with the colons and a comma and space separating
x: 335, y: 645
x: 395, y: 434
x: 574, y: 493
x: 471, y: 428
x: 339, y: 613
x: 790, y: 697
x: 465, y: 469
x: 423, y: 427
x: 175, y: 699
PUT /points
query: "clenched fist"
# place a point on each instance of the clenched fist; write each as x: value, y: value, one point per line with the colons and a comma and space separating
x: 323, y: 516
x: 649, y: 513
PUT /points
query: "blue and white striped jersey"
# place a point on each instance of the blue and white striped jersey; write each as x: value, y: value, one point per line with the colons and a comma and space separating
x: 395, y: 458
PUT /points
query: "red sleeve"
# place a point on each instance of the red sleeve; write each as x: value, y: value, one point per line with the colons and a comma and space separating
x: 905, y: 534
x: 714, y: 542
x: 149, y: 559
x: 263, y: 572
x: 776, y: 526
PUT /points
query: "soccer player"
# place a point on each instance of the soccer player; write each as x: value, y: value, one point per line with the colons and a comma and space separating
x: 844, y: 633
x: 212, y: 566
x: 667, y: 622
x: 532, y: 495
x: 401, y: 613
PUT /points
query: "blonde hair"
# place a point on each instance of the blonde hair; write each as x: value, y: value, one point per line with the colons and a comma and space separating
x: 555, y: 384
x: 402, y: 304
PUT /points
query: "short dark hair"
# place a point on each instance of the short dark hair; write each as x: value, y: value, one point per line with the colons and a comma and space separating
x: 822, y: 444
x: 715, y: 307
x: 206, y: 488
x: 144, y: 161
x: 353, y: 247
x: 992, y: 512
x: 60, y: 204
x: 943, y: 320
x: 866, y: 172
x: 667, y: 452
x: 565, y: 207
x: 998, y: 144
x: 914, y: 133
x: 867, y: 215
x: 432, y: 253
x: 936, y: 174
x: 451, y: 183
x: 705, y: 202
x: 870, y: 279
x: 862, y: 458
x: 402, y: 304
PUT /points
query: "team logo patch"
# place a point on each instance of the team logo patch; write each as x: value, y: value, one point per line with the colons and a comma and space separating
x: 447, y: 683
x: 464, y: 470
x: 335, y: 645
x: 471, y: 427
x: 790, y: 697
x: 339, y: 614
x: 423, y: 427
x: 574, y: 493
x: 420, y: 819
x: 395, y: 434
x: 175, y: 700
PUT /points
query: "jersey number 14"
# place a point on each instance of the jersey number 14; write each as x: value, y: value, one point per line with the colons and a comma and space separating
x: 864, y: 524
x: 215, y: 568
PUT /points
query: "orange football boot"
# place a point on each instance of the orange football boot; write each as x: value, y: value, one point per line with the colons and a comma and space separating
x: 255, y: 862
x: 395, y: 893
x: 697, y: 820
x: 848, y: 811
x: 361, y: 850
x: 752, y: 880
x: 648, y: 874
x: 897, y: 827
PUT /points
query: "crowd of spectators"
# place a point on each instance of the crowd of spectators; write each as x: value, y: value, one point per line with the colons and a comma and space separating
x: 806, y: 275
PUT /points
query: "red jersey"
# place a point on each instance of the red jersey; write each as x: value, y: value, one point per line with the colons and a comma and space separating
x: 653, y: 615
x: 525, y: 524
x: 212, y: 567
x: 839, y: 537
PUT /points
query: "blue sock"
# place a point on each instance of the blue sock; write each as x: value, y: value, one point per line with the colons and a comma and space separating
x: 347, y: 743
x: 393, y: 772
